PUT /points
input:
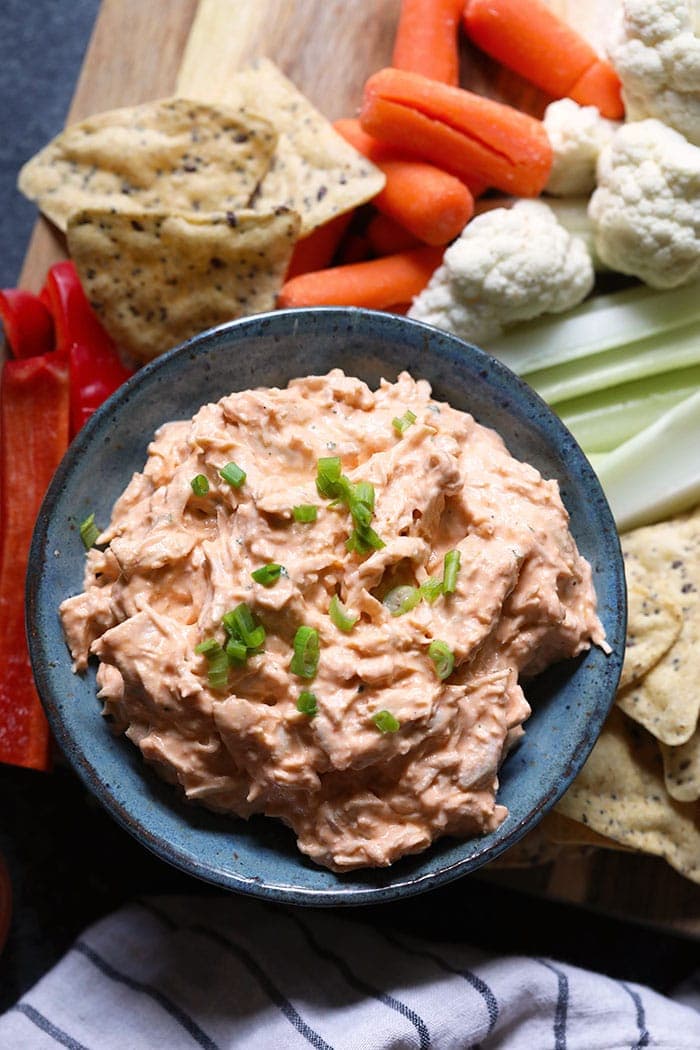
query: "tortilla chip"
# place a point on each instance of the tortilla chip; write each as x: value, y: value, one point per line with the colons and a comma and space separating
x: 566, y: 832
x: 157, y: 279
x: 620, y: 793
x: 171, y: 155
x: 533, y: 849
x: 314, y: 170
x: 653, y: 625
x: 665, y: 558
x: 682, y: 769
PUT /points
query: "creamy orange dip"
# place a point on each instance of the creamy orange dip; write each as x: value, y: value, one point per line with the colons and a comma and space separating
x: 393, y: 749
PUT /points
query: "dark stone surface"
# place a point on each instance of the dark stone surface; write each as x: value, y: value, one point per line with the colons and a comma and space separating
x: 69, y: 863
x: 42, y: 44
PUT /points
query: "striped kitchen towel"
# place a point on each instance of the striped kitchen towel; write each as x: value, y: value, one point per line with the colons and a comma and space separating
x: 223, y: 972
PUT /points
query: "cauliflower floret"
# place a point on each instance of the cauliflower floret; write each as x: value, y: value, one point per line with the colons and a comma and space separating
x: 646, y: 209
x: 657, y: 57
x: 507, y: 265
x: 577, y: 135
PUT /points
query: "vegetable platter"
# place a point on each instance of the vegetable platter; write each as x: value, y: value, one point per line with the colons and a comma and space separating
x: 328, y: 49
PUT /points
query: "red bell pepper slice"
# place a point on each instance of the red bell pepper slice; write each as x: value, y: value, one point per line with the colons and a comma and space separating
x: 34, y: 412
x: 96, y: 370
x: 27, y: 322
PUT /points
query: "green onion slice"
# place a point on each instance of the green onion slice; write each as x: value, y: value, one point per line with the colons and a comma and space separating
x: 449, y: 571
x: 401, y: 424
x: 328, y: 474
x: 267, y: 574
x: 341, y: 617
x: 359, y: 499
x: 363, y: 492
x: 305, y: 512
x: 431, y: 589
x: 200, y: 485
x: 361, y: 504
x: 236, y: 652
x: 233, y: 475
x: 241, y: 625
x: 307, y: 703
x: 209, y: 646
x: 386, y: 722
x: 306, y: 652
x: 217, y: 662
x: 401, y: 600
x: 443, y: 658
x: 364, y: 540
x: 89, y: 532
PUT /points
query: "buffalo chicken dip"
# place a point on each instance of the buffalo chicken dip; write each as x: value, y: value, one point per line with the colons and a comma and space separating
x: 318, y: 602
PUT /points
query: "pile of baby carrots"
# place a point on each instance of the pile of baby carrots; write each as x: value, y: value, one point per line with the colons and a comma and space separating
x: 440, y: 146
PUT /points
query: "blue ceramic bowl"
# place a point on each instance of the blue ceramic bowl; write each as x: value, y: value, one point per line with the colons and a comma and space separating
x: 259, y: 857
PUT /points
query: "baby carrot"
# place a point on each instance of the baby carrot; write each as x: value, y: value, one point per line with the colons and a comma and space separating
x: 316, y: 250
x: 376, y: 285
x: 463, y: 133
x: 376, y: 151
x: 387, y: 237
x: 427, y: 39
x: 526, y: 36
x: 430, y: 203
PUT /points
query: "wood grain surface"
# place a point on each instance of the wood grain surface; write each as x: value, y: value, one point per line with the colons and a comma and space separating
x: 328, y: 48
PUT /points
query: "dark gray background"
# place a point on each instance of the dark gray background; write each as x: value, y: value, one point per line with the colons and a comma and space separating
x: 42, y: 43
x: 69, y: 862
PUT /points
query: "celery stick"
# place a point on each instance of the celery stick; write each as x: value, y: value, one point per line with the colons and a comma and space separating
x: 597, y: 326
x: 657, y: 472
x: 603, y: 420
x: 648, y: 357
x: 597, y: 459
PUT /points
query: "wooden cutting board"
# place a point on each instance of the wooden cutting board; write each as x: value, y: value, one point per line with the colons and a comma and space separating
x: 328, y: 48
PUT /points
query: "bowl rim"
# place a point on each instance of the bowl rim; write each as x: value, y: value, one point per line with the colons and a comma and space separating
x: 279, y: 891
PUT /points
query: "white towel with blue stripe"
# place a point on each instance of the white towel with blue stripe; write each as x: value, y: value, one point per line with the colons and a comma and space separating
x: 175, y: 973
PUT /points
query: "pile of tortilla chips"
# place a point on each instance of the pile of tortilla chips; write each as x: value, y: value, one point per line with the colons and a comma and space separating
x: 640, y: 788
x: 183, y: 214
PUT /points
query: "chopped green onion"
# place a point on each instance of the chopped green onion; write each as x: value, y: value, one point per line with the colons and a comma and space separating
x: 443, y: 658
x: 209, y: 646
x: 363, y: 541
x: 386, y: 722
x: 267, y: 574
x: 401, y: 600
x: 328, y: 475
x: 306, y: 652
x: 359, y: 499
x: 307, y: 704
x: 362, y: 493
x: 449, y: 571
x: 361, y: 503
x: 236, y: 652
x: 239, y: 624
x: 200, y: 485
x: 401, y: 424
x: 89, y: 532
x: 233, y: 475
x: 431, y: 589
x: 217, y: 662
x: 305, y: 512
x: 343, y: 620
